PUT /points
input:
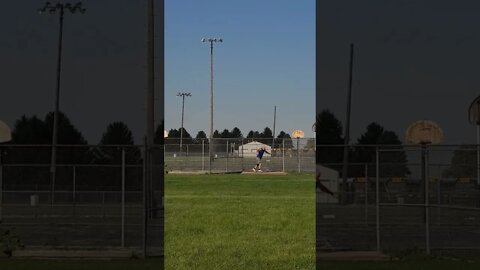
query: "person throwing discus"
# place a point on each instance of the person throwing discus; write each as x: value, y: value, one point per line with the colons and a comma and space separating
x: 260, y: 153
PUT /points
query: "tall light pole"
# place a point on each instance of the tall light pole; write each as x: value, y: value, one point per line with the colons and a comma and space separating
x: 210, y: 147
x: 52, y: 9
x: 347, y: 130
x: 183, y: 95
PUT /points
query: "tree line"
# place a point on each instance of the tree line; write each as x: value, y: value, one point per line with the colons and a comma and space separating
x: 328, y: 129
x: 235, y: 134
x: 362, y: 153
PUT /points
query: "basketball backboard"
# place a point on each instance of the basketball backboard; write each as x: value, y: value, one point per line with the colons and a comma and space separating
x: 424, y: 132
x: 5, y: 133
x: 474, y: 112
x: 298, y: 134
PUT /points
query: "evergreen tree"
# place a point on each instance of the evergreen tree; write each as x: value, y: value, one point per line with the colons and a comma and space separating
x: 463, y: 163
x: 225, y: 134
x: 117, y: 137
x: 236, y: 133
x: 393, y: 163
x: 159, y: 136
x: 201, y: 135
x: 284, y: 139
x: 329, y: 132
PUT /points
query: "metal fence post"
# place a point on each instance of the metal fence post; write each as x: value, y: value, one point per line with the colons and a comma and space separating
x: 377, y: 196
x: 103, y: 203
x: 427, y: 214
x: 123, y: 198
x: 366, y: 193
x: 283, y: 155
x: 226, y: 166
x: 298, y: 154
x: 203, y: 155
x: 74, y: 179
x: 478, y: 154
x: 242, y: 155
x: 1, y: 186
x: 74, y: 184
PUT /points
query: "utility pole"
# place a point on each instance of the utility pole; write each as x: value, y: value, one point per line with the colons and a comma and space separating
x: 210, y: 146
x: 347, y: 129
x: 52, y: 9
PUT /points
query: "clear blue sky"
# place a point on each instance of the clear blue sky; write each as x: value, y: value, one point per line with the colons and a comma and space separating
x: 267, y: 58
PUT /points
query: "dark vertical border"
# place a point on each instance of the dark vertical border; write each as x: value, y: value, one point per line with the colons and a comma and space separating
x: 156, y: 162
x: 161, y: 114
x: 318, y: 109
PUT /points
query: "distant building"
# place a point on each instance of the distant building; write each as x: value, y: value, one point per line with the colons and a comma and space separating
x: 250, y: 149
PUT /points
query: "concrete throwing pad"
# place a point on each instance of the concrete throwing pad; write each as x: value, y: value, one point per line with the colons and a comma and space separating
x: 353, y: 256
x: 264, y: 173
x: 203, y: 172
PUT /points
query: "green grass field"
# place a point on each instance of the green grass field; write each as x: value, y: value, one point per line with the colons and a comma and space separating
x: 239, y: 222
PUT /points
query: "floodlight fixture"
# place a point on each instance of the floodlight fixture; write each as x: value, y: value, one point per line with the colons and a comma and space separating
x: 52, y: 9
x: 183, y: 95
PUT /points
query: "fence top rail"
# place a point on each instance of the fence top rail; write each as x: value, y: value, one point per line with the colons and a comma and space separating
x: 5, y: 145
x: 70, y: 165
x: 432, y: 205
x: 399, y: 145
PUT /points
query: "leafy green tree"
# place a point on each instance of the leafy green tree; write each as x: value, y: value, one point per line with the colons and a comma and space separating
x: 463, y: 163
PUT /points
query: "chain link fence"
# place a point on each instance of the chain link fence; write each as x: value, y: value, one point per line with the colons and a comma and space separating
x: 101, y: 196
x: 401, y: 198
x: 239, y: 154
